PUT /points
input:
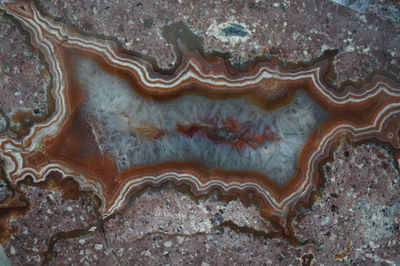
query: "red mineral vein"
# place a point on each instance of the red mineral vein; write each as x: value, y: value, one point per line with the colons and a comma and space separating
x: 232, y: 133
x: 65, y: 143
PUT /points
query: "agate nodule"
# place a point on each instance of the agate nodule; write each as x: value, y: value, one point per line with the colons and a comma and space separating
x: 119, y: 126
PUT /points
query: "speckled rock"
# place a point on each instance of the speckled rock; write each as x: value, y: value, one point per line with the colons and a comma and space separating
x: 356, y: 219
x: 366, y: 38
x: 49, y: 215
x: 23, y: 78
x: 220, y: 247
x: 170, y: 212
x: 83, y: 250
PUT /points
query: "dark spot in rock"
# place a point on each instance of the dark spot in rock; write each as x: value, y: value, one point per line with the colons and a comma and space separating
x: 217, y: 219
x: 307, y: 259
x: 208, y: 208
x: 148, y: 22
x: 234, y: 30
x: 251, y: 4
x: 162, y: 229
x: 334, y: 208
x: 87, y: 26
x: 346, y: 154
x: 334, y: 195
x: 139, y: 4
x: 36, y: 111
x: 384, y: 165
x: 274, y: 50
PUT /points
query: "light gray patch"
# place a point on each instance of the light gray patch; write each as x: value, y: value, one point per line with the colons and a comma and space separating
x: 3, y: 258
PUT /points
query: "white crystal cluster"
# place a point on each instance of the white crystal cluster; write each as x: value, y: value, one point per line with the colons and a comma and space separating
x: 140, y: 131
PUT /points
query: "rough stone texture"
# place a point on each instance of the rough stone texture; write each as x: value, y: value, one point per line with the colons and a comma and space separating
x: 22, y: 83
x: 50, y: 214
x: 221, y: 247
x: 172, y: 213
x: 357, y: 216
x: 178, y: 213
x: 83, y: 250
x: 366, y: 36
x: 355, y: 220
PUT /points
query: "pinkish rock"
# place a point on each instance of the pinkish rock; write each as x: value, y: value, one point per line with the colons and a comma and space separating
x: 23, y: 78
x: 356, y: 219
x: 366, y: 38
x: 82, y: 250
x: 49, y: 216
x: 220, y: 247
x: 170, y: 212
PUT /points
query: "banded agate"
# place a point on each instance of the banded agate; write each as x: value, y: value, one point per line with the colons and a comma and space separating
x: 227, y: 134
x: 119, y: 126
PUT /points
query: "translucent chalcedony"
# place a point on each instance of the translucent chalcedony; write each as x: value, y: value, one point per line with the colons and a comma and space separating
x: 139, y: 131
x: 258, y: 133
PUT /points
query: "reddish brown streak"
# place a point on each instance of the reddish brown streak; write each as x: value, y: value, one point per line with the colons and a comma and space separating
x: 231, y: 133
